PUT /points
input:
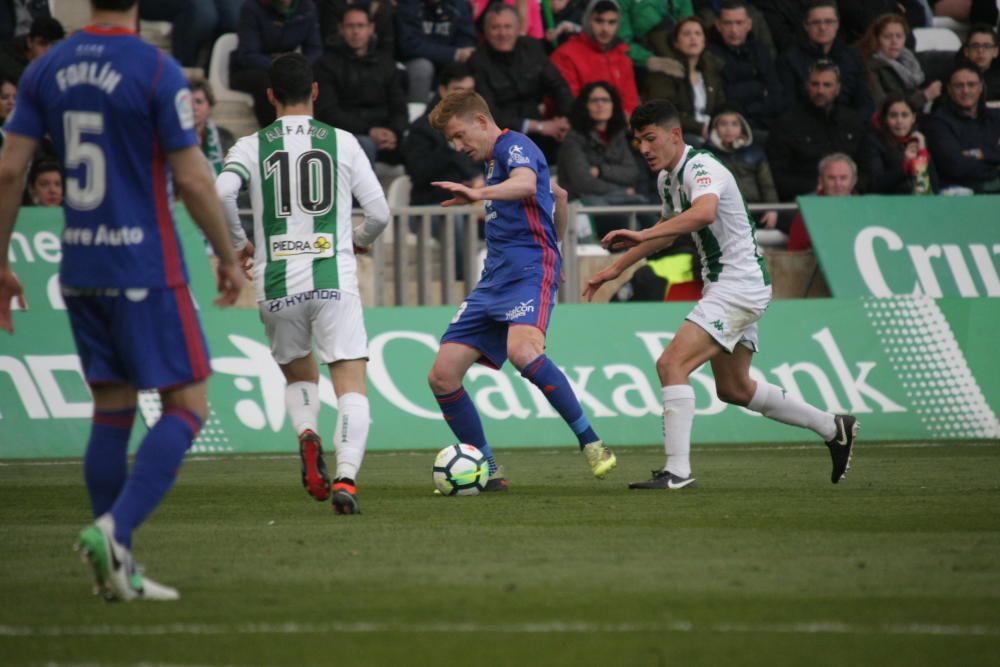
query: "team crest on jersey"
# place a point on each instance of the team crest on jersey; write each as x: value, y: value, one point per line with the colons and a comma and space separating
x: 285, y: 246
x: 515, y: 155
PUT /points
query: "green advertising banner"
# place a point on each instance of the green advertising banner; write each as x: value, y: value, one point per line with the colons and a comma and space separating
x: 36, y: 250
x: 909, y: 368
x: 907, y: 246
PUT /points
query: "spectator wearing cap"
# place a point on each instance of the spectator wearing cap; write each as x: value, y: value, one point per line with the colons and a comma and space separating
x: 821, y: 41
x: 963, y: 134
x: 20, y: 51
x: 810, y: 129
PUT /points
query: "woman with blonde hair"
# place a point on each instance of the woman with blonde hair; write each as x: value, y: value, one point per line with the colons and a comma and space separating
x: 891, y: 66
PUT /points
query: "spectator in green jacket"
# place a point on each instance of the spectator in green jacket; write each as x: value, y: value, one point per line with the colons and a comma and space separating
x: 639, y: 18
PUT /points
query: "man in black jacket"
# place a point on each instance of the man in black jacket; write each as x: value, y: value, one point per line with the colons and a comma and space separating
x: 429, y: 157
x: 751, y: 82
x: 514, y: 76
x: 963, y: 135
x: 821, y: 25
x: 360, y: 90
x: 810, y: 130
x: 268, y: 28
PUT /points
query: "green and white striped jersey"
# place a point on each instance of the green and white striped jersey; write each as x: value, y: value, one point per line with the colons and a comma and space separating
x: 301, y: 175
x: 728, y: 246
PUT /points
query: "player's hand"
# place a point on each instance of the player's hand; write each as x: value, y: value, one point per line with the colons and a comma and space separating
x: 622, y: 239
x: 463, y: 194
x: 229, y: 282
x: 10, y: 288
x: 604, y: 275
x: 246, y: 260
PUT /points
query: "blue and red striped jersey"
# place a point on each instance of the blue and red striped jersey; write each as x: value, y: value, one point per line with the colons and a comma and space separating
x: 114, y: 107
x: 520, y: 235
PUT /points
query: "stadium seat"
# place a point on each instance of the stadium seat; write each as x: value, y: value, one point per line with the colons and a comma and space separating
x: 397, y: 196
x: 936, y: 39
x: 415, y: 110
x: 73, y: 14
x: 218, y: 71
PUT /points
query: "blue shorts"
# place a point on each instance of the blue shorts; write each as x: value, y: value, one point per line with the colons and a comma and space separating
x: 483, y: 318
x: 147, y: 338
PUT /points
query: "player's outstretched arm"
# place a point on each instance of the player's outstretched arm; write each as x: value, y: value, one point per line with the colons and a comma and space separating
x: 521, y: 183
x: 701, y: 213
x: 17, y: 154
x: 194, y: 178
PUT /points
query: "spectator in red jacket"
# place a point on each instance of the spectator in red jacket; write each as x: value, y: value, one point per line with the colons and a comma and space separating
x: 597, y: 54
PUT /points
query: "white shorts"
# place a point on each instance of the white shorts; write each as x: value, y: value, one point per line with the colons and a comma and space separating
x: 730, y: 316
x: 332, y: 318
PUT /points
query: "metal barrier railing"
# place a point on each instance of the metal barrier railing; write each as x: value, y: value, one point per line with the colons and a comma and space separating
x: 423, y: 240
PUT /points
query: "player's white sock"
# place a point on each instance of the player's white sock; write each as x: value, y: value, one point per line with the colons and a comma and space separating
x: 678, y: 415
x: 774, y: 403
x: 302, y: 404
x: 351, y: 435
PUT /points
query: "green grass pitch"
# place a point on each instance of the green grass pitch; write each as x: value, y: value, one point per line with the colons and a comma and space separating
x: 766, y: 564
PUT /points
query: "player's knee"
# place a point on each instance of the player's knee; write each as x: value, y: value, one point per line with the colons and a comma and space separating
x: 670, y: 369
x: 441, y: 381
x: 523, y: 353
x: 735, y: 393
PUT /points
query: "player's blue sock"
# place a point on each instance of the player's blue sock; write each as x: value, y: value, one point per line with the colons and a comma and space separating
x: 546, y: 376
x: 105, y: 463
x: 461, y: 415
x: 156, y: 464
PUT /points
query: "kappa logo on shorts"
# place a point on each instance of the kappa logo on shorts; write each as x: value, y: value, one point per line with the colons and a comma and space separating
x: 521, y: 309
x: 717, y: 324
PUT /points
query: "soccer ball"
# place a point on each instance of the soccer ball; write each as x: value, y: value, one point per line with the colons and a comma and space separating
x: 460, y: 470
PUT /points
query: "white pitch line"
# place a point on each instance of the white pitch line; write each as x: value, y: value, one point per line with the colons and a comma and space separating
x: 552, y: 627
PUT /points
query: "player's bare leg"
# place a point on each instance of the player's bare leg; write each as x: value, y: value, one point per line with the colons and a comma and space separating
x: 526, y: 350
x: 690, y: 348
x: 302, y: 405
x: 734, y: 385
x: 445, y: 379
x: 350, y: 436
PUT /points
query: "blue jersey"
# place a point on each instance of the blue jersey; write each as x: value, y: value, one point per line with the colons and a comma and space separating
x: 114, y: 106
x: 520, y: 235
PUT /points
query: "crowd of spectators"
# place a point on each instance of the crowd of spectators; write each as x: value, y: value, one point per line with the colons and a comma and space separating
x: 772, y: 87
